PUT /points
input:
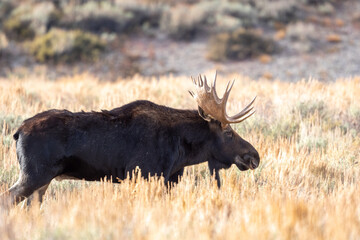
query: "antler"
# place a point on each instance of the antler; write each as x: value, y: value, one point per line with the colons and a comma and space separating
x: 214, y: 106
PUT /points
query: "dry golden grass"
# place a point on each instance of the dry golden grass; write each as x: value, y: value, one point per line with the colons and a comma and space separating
x: 306, y: 187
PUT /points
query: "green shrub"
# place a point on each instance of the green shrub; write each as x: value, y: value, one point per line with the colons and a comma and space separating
x: 303, y: 36
x: 98, y: 17
x: 18, y: 29
x: 188, y: 21
x: 284, y: 128
x: 6, y: 6
x: 307, y: 109
x: 66, y: 46
x: 281, y: 10
x: 242, y: 15
x: 326, y: 9
x: 30, y: 19
x: 98, y: 24
x: 181, y: 24
x: 239, y: 45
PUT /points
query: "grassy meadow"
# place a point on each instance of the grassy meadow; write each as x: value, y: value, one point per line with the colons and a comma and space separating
x: 306, y: 187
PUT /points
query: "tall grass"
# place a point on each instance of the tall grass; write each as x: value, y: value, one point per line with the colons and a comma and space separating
x: 306, y: 187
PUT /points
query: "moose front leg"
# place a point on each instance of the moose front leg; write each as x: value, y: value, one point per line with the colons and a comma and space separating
x: 214, y: 169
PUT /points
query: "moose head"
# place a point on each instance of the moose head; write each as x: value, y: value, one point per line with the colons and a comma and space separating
x: 227, y: 147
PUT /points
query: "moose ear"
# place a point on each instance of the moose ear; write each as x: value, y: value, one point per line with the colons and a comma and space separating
x: 200, y: 110
x: 203, y: 115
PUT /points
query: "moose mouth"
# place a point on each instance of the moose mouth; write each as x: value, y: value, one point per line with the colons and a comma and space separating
x: 245, y: 163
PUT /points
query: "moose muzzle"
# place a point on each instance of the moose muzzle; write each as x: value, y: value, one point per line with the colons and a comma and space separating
x: 247, y: 161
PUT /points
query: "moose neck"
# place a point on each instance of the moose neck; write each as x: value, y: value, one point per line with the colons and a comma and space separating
x: 195, y: 141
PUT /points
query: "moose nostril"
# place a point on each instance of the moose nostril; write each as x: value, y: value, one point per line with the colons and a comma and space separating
x: 252, y: 161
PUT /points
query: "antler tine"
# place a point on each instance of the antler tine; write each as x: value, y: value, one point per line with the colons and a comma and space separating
x: 193, y: 80
x: 227, y: 92
x: 243, y: 114
x: 206, y: 86
x: 244, y: 111
x: 213, y: 89
x: 225, y: 99
x: 244, y: 117
x: 200, y: 81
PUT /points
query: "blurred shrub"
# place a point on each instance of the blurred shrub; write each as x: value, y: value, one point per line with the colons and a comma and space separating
x: 326, y: 9
x: 303, y: 35
x: 270, y: 11
x: 181, y: 22
x: 186, y: 22
x: 28, y: 20
x: 307, y: 109
x: 316, y: 2
x: 301, y: 31
x: 143, y: 16
x: 106, y: 16
x: 6, y: 6
x: 233, y: 15
x: 97, y: 24
x: 238, y: 45
x: 18, y: 29
x: 279, y: 10
x: 284, y: 128
x: 66, y: 46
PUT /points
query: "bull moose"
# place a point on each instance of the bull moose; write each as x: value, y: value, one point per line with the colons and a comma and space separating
x: 157, y: 139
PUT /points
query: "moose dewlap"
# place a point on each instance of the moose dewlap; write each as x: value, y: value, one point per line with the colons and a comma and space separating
x: 157, y: 139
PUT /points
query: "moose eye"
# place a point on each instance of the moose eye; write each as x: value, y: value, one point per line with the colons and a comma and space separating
x: 228, y: 134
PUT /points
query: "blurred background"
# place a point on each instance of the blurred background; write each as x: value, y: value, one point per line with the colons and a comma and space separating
x: 272, y: 39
